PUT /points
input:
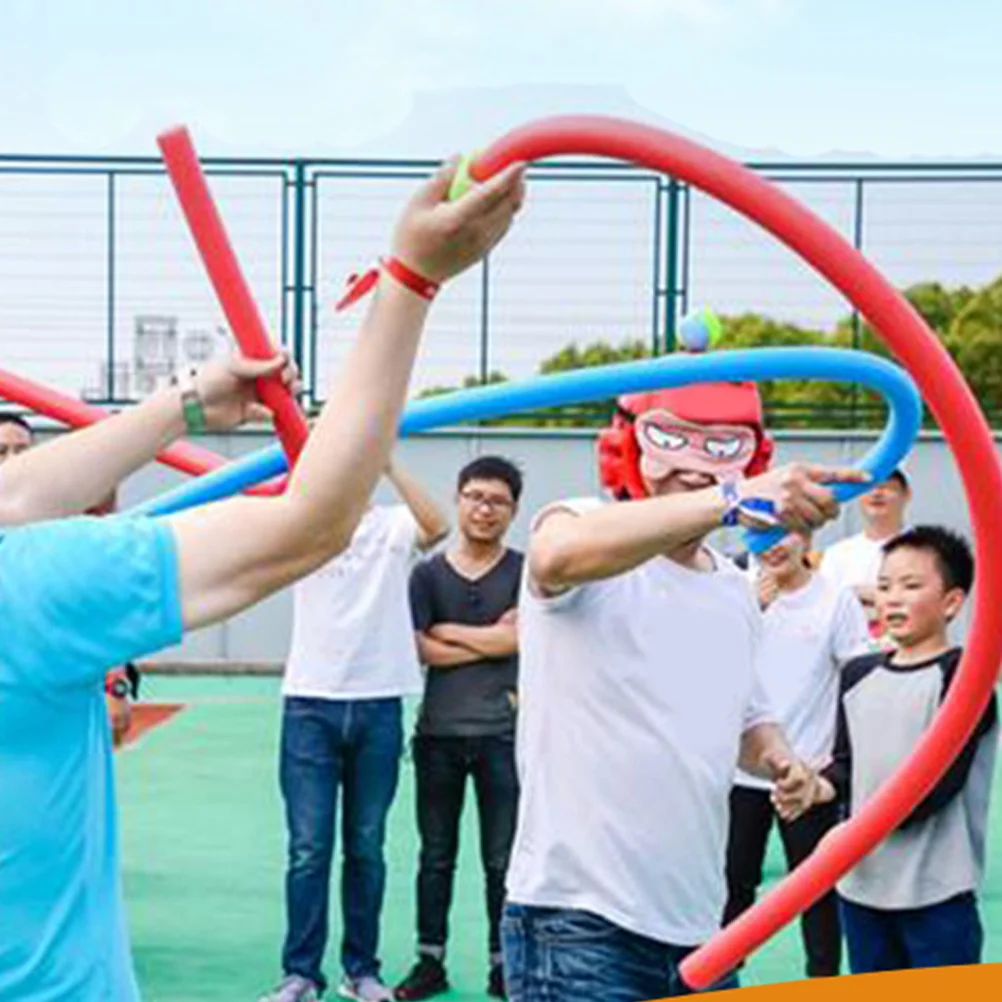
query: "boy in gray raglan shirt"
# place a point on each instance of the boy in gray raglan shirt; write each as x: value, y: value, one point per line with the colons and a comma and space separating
x: 912, y: 901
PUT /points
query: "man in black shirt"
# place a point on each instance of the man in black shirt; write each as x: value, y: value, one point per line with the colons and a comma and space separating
x: 464, y: 609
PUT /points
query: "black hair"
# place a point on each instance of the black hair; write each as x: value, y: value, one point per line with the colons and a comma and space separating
x: 16, y: 419
x: 902, y: 478
x: 952, y: 552
x: 492, y: 468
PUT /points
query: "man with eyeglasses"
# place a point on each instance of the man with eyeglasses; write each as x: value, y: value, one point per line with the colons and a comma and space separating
x: 464, y: 609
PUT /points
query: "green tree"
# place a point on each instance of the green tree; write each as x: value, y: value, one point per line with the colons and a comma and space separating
x: 575, y: 356
x: 968, y: 321
x: 975, y: 341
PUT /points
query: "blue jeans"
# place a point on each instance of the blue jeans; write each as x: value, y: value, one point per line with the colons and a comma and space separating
x: 327, y: 745
x: 560, y: 955
x: 942, y: 935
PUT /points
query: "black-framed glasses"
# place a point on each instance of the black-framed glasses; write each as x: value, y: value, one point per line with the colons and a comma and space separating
x: 478, y: 499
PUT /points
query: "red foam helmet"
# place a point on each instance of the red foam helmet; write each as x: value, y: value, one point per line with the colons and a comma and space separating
x: 706, y: 403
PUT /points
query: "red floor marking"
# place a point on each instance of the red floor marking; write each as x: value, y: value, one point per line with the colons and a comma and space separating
x: 146, y: 716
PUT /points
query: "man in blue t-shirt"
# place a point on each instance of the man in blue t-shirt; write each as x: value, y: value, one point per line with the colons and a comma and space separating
x: 78, y: 595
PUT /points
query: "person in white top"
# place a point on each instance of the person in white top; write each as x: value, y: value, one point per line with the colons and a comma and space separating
x: 811, y: 628
x: 854, y: 562
x: 351, y: 661
x: 638, y: 697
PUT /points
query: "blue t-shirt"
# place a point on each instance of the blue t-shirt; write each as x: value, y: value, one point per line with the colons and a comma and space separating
x: 76, y: 597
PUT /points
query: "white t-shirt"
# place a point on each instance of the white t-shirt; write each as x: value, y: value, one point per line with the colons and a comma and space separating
x: 853, y: 562
x: 352, y: 636
x: 633, y: 695
x: 807, y: 636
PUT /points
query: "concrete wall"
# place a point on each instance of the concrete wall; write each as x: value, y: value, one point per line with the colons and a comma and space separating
x: 556, y: 464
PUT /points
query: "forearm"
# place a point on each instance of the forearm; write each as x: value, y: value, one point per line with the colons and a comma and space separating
x: 350, y: 443
x: 761, y: 747
x: 433, y: 523
x: 239, y: 551
x: 439, y: 654
x: 496, y: 641
x: 74, y: 472
x: 568, y: 551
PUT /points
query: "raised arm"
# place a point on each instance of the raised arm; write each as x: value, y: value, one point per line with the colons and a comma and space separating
x: 72, y: 473
x: 569, y: 549
x: 433, y: 523
x: 234, y: 553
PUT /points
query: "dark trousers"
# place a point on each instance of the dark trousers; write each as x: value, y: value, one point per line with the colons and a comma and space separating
x: 941, y: 935
x: 442, y: 766
x: 752, y: 816
x: 329, y: 745
x: 563, y: 955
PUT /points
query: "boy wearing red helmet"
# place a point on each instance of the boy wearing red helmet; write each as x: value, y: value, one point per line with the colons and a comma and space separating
x: 638, y: 697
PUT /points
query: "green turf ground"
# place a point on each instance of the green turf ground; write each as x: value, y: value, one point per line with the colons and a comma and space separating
x: 203, y: 845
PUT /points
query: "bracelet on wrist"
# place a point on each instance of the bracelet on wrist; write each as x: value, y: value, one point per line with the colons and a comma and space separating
x: 359, y: 286
x: 732, y: 502
x: 192, y: 407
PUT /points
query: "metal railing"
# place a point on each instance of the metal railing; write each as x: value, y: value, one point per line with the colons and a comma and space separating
x: 102, y: 294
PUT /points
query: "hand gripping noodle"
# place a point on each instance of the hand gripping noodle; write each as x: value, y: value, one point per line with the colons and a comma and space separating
x: 227, y: 279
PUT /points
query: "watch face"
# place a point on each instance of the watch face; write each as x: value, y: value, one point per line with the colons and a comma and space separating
x: 119, y: 688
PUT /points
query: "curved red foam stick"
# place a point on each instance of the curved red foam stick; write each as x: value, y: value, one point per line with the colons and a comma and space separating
x: 958, y: 414
x: 232, y: 291
x: 183, y: 456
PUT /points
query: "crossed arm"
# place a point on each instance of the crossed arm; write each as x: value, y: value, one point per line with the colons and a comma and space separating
x: 449, y: 645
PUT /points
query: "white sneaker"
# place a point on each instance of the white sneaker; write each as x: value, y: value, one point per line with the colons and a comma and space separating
x: 366, y: 989
x: 294, y: 988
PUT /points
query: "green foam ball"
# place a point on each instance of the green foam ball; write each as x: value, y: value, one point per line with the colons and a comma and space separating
x: 463, y: 180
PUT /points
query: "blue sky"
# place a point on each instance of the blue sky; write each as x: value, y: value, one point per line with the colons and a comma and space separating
x: 422, y: 77
x: 425, y: 78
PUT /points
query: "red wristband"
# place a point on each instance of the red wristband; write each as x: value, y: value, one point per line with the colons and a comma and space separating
x: 424, y: 287
x: 358, y: 286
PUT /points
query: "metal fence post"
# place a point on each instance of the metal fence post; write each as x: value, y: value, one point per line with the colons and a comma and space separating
x: 671, y: 267
x: 857, y: 321
x: 109, y: 383
x: 485, y: 320
x: 299, y: 305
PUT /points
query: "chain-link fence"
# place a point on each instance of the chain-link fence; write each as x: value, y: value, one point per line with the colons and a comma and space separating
x: 102, y: 293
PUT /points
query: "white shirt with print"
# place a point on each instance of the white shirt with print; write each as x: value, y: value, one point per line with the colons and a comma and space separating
x: 807, y: 636
x: 352, y: 636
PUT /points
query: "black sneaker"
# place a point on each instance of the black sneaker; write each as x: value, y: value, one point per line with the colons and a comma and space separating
x: 495, y: 983
x: 426, y: 979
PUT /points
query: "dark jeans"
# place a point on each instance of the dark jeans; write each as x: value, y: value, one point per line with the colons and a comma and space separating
x: 558, y: 955
x: 442, y: 766
x: 327, y: 745
x: 942, y: 935
x: 752, y: 816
